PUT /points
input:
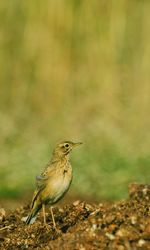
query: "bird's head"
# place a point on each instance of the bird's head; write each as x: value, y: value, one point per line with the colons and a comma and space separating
x: 65, y: 147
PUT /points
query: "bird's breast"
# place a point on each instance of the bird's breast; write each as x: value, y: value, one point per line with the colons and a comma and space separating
x: 59, y: 183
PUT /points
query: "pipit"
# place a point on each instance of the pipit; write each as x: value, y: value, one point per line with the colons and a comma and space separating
x: 53, y: 182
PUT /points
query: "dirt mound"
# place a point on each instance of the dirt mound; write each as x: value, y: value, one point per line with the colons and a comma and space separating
x: 121, y: 225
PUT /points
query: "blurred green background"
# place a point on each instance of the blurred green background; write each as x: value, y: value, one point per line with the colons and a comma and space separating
x: 77, y: 70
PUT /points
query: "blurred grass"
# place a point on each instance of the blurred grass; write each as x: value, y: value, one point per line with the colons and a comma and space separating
x: 75, y: 70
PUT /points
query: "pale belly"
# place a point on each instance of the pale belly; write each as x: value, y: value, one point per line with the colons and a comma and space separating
x: 58, y: 185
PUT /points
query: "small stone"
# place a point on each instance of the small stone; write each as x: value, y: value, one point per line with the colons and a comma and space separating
x: 2, y: 214
x: 88, y: 207
x: 122, y: 232
x: 82, y: 247
x: 94, y: 227
x: 133, y: 220
x: 145, y: 190
x: 110, y: 236
x: 61, y: 210
x: 110, y: 218
x: 76, y: 203
x: 120, y: 247
x: 141, y: 242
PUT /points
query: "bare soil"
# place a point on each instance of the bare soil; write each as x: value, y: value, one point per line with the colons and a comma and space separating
x: 116, y: 226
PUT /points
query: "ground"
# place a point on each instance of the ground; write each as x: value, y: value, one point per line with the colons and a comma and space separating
x: 110, y: 226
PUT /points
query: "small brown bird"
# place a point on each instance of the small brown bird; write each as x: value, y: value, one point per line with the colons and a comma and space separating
x: 53, y: 182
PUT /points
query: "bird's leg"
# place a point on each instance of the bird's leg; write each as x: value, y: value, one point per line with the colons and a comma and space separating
x: 44, y: 216
x: 53, y: 217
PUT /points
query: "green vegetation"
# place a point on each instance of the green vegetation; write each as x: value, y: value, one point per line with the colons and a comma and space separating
x: 75, y: 70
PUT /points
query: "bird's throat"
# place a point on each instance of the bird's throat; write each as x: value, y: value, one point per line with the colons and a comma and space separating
x: 60, y: 157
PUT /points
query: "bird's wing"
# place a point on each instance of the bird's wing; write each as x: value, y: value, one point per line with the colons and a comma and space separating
x: 41, y: 182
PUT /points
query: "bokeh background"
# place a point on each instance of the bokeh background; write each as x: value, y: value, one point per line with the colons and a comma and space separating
x: 77, y: 70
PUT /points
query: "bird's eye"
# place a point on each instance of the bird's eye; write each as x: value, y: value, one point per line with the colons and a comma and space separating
x: 66, y: 145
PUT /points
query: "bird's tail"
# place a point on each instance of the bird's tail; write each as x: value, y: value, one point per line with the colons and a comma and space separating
x: 32, y: 215
x: 30, y: 218
x: 35, y: 207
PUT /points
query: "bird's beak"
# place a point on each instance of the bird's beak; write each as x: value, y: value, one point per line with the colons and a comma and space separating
x: 76, y: 144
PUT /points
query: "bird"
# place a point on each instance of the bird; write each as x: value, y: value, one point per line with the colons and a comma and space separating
x: 53, y: 182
